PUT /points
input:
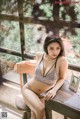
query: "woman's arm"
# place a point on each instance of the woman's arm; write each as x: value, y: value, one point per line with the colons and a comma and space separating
x: 62, y: 72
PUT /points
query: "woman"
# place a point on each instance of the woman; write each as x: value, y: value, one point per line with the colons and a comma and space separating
x: 49, y: 76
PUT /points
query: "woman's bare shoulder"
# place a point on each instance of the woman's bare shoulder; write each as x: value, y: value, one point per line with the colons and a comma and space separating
x: 62, y: 60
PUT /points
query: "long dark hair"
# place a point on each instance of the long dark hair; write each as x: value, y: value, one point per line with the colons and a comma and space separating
x: 50, y: 39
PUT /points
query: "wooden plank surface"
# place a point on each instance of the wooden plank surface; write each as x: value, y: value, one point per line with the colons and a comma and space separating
x: 68, y: 98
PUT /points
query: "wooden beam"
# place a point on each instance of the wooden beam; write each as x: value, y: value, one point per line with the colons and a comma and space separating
x: 13, y: 52
x: 56, y: 18
x: 21, y: 27
x: 38, y: 21
x: 16, y: 53
x: 74, y: 67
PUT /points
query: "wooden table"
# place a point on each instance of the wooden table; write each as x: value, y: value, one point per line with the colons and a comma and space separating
x: 66, y: 102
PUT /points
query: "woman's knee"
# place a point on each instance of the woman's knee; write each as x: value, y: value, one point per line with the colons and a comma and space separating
x: 40, y: 110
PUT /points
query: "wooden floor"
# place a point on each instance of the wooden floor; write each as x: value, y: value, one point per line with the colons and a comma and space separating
x: 7, y: 113
x: 11, y: 114
x: 14, y: 115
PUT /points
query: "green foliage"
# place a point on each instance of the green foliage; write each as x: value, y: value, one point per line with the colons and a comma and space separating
x: 77, y: 9
x: 32, y: 34
x: 9, y: 57
x: 47, y: 9
x: 9, y: 38
x: 66, y: 12
x: 75, y: 40
x: 8, y: 6
x: 11, y: 35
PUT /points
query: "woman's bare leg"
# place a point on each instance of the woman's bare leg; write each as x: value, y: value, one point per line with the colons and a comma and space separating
x: 43, y: 101
x: 33, y: 101
x: 33, y: 116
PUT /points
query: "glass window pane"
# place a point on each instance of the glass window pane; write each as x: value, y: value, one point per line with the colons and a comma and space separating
x: 77, y: 9
x: 43, y: 11
x: 9, y: 7
x: 34, y: 37
x: 70, y: 12
x: 72, y: 46
x: 9, y: 37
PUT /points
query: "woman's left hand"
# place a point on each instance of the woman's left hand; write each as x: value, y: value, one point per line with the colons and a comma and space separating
x: 50, y: 94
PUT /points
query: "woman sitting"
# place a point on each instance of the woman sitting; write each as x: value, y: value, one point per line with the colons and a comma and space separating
x: 49, y: 76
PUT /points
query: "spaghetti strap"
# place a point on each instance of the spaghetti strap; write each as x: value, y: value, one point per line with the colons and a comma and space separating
x: 56, y: 62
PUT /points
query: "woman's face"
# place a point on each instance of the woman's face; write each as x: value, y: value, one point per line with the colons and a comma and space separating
x: 53, y: 50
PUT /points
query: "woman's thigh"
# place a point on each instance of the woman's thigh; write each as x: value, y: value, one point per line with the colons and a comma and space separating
x: 32, y: 99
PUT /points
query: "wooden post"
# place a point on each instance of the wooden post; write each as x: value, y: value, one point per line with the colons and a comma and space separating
x: 21, y: 26
x: 0, y: 75
x: 0, y: 72
x: 48, y: 111
x: 56, y: 18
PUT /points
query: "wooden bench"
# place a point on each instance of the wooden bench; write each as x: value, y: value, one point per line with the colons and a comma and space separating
x: 66, y: 102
